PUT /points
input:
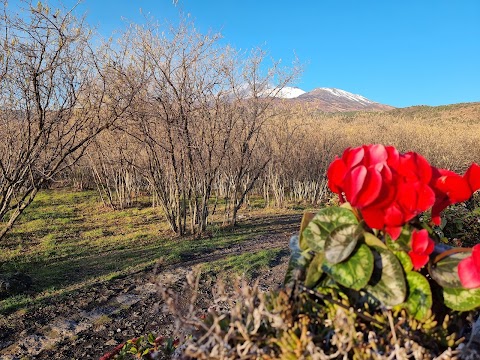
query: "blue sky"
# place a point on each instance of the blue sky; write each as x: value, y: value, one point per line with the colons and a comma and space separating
x: 401, y: 53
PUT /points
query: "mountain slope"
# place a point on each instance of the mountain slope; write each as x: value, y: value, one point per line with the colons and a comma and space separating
x: 332, y: 100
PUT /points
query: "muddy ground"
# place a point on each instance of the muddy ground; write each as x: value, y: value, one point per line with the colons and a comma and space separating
x: 88, y: 323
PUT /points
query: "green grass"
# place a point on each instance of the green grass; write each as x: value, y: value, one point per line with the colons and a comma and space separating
x: 248, y: 264
x: 67, y: 240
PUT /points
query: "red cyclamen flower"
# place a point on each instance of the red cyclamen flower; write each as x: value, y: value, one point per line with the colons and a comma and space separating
x: 451, y: 188
x: 388, y: 188
x: 469, y: 269
x: 422, y: 246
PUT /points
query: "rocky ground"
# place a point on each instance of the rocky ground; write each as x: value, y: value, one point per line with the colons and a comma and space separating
x: 91, y: 322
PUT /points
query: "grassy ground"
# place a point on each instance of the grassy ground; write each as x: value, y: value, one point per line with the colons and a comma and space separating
x: 248, y: 264
x: 66, y: 241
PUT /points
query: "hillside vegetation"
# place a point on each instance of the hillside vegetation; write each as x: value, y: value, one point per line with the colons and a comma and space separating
x: 446, y: 135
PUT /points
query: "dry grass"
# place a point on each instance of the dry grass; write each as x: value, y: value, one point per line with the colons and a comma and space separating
x: 448, y: 136
x: 245, y: 323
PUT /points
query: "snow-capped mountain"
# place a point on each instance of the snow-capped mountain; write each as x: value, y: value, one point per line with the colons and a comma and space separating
x: 326, y: 99
x: 331, y: 99
x: 341, y: 94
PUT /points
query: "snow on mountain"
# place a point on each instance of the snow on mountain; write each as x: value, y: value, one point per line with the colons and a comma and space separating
x: 290, y: 92
x: 287, y: 92
x: 347, y: 95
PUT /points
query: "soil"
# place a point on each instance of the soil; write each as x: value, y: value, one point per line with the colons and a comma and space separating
x: 91, y: 322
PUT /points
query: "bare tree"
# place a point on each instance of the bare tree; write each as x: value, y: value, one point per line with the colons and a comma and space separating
x: 175, y: 117
x: 57, y: 94
x: 255, y: 95
x: 201, y: 108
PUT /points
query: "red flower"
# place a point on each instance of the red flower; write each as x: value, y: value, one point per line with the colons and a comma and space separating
x: 472, y: 176
x: 451, y: 188
x: 388, y: 188
x: 422, y: 246
x: 469, y: 269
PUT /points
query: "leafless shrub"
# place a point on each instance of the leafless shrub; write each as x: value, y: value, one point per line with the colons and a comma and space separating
x: 57, y: 94
x: 199, y: 117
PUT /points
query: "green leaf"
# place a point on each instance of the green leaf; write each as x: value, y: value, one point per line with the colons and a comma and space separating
x: 372, y: 240
x: 314, y: 271
x: 388, y: 280
x: 405, y: 260
x: 355, y: 272
x: 324, y: 222
x: 332, y: 217
x: 297, y: 262
x: 341, y: 242
x: 151, y: 339
x: 445, y: 271
x: 314, y: 236
x: 306, y: 218
x: 462, y: 299
x: 403, y: 241
x: 419, y: 299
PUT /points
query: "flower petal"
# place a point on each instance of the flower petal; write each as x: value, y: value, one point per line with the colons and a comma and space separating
x: 472, y: 176
x: 336, y: 173
x: 374, y: 217
x: 407, y: 195
x: 421, y: 242
x: 393, y: 157
x: 414, y: 166
x: 430, y: 247
x: 426, y: 198
x: 468, y: 273
x: 454, y: 186
x: 424, y: 169
x: 394, y: 216
x: 370, y: 189
x: 393, y: 231
x: 354, y: 181
x: 377, y: 154
x: 418, y: 260
x: 386, y: 196
x: 476, y: 256
x: 353, y: 157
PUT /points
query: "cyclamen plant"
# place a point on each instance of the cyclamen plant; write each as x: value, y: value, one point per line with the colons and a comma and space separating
x: 380, y: 243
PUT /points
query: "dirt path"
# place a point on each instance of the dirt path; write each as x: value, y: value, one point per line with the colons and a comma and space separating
x: 91, y: 322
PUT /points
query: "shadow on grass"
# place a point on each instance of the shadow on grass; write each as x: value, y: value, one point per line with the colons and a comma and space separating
x: 56, y: 274
x: 277, y: 260
x: 264, y: 224
x: 51, y: 275
x: 75, y: 248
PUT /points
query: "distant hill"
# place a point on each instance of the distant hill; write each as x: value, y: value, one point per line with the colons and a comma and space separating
x: 462, y: 112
